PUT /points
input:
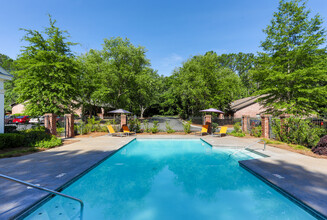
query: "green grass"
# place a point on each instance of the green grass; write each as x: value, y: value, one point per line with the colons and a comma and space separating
x: 20, y: 152
x: 294, y: 146
x: 240, y: 134
x: 299, y: 147
x: 268, y: 141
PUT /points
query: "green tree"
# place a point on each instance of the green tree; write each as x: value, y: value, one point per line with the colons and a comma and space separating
x: 202, y: 83
x: 118, y: 76
x: 168, y: 98
x: 47, y: 72
x: 123, y: 63
x: 10, y: 95
x: 90, y: 83
x: 292, y: 71
x: 146, y: 92
x: 241, y: 64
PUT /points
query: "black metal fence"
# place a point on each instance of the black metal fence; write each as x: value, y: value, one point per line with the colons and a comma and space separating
x: 220, y: 122
x: 61, y: 126
x: 319, y: 122
x: 322, y: 123
x: 252, y: 123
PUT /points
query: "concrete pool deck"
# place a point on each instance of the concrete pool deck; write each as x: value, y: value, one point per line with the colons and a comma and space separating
x: 51, y: 169
x: 301, y: 176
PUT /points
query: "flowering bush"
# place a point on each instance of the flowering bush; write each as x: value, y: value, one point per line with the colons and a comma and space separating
x: 321, y: 147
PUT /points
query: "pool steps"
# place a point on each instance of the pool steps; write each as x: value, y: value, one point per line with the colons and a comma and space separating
x: 47, y: 190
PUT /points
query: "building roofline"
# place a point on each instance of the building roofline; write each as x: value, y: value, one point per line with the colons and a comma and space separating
x: 4, y: 74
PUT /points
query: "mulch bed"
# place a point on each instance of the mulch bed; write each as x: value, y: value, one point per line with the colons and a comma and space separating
x: 92, y: 134
x: 68, y: 141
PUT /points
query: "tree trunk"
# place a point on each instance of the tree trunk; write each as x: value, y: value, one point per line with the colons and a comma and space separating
x: 142, y: 110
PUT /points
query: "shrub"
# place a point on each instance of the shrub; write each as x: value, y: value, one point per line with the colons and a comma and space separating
x: 35, y: 134
x: 53, y: 142
x: 321, y: 147
x: 93, y: 124
x: 239, y: 134
x: 146, y: 126
x: 111, y: 122
x: 237, y: 127
x: 35, y: 137
x: 214, y: 127
x: 135, y: 125
x: 256, y: 131
x: 297, y: 131
x: 11, y: 129
x: 169, y: 129
x: 83, y: 128
x: 187, y: 127
x: 155, y: 129
x: 12, y: 140
x: 60, y: 130
x: 102, y: 128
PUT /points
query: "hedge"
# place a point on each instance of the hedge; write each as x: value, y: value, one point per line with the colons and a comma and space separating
x: 35, y: 137
x: 12, y: 140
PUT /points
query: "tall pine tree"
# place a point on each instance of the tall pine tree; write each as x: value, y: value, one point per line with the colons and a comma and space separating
x: 47, y: 71
x: 292, y: 73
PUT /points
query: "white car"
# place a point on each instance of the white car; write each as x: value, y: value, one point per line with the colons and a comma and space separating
x: 37, y: 120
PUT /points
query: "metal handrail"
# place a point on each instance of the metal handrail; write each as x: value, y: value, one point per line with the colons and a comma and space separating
x: 44, y: 189
x: 264, y: 144
x: 243, y: 148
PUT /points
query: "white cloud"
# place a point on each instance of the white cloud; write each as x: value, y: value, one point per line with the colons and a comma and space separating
x: 169, y: 63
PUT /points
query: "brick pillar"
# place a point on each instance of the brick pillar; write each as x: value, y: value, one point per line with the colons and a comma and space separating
x: 50, y: 123
x: 245, y: 123
x: 265, y: 126
x: 282, y: 119
x: 69, y: 125
x: 208, y: 121
x: 123, y: 120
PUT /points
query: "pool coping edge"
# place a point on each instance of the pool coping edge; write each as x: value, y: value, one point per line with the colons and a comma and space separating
x: 302, y: 204
x: 48, y: 196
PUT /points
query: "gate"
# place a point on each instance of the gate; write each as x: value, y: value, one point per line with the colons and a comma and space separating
x: 272, y: 123
x: 253, y: 122
x: 271, y: 133
x: 61, y: 126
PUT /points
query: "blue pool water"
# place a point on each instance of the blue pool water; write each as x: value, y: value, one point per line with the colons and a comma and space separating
x: 171, y: 179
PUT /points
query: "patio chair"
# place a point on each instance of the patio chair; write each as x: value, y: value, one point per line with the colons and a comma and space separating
x: 223, y: 131
x: 203, y: 131
x: 113, y: 133
x: 126, y: 130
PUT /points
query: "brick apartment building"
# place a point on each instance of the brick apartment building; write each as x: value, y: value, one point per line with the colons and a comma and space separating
x: 247, y: 106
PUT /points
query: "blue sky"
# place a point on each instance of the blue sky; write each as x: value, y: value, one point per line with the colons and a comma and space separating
x: 171, y: 30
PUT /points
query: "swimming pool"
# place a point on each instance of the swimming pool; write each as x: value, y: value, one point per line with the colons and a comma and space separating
x: 171, y: 179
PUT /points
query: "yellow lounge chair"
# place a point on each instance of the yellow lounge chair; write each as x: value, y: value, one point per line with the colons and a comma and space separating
x: 113, y: 133
x: 223, y: 131
x: 203, y: 131
x: 126, y: 130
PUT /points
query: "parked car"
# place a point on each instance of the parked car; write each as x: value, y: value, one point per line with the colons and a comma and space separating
x: 8, y: 119
x: 21, y: 120
x: 37, y: 120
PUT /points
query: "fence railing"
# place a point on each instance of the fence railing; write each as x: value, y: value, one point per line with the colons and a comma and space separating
x: 219, y: 121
